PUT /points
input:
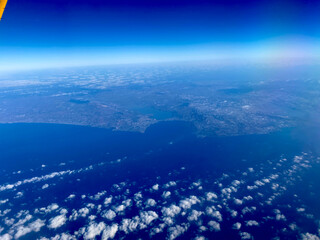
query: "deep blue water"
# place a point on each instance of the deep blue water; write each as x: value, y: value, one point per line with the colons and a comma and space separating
x: 158, y: 155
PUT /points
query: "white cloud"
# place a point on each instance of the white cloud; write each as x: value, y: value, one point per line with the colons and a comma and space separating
x: 214, y: 226
x: 71, y: 196
x: 138, y: 222
x: 188, y: 202
x: 5, y: 237
x: 211, y: 195
x: 248, y: 209
x: 248, y: 198
x: 148, y: 217
x: 157, y: 229
x: 32, y: 227
x: 236, y: 183
x: 252, y: 223
x: 35, y: 179
x: 280, y: 217
x: 233, y: 213
x: 309, y: 236
x: 57, y: 221
x: 83, y: 212
x: 194, y: 215
x: 155, y: 187
x: 170, y: 184
x: 130, y: 225
x: 237, y: 201
x: 120, y: 208
x: 214, y: 213
x: 44, y: 177
x: 107, y: 201
x: 150, y: 202
x: 3, y: 201
x: 24, y: 220
x: 259, y: 183
x: 19, y: 195
x: 138, y: 196
x: 166, y: 194
x: 245, y: 235
x: 98, y: 195
x: 63, y: 211
x: 301, y: 209
x: 200, y: 238
x: 109, y: 232
x: 252, y: 187
x: 127, y: 202
x: 110, y: 215
x: 8, y: 221
x: 171, y: 211
x: 62, y: 236
x: 94, y: 230
x: 48, y: 209
x: 236, y: 226
x: 176, y: 231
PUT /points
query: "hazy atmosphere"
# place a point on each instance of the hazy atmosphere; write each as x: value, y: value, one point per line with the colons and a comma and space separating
x: 159, y: 119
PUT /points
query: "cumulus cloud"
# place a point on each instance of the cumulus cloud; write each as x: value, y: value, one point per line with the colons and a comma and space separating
x: 188, y: 202
x: 176, y: 231
x: 247, y: 198
x: 3, y: 201
x: 5, y: 237
x: 233, y: 213
x: 171, y: 211
x: 130, y: 225
x: 97, y: 196
x: 155, y: 187
x: 138, y: 196
x: 109, y: 232
x: 237, y: 201
x: 170, y: 184
x: 236, y: 226
x: 236, y: 183
x: 245, y: 235
x: 138, y: 222
x: 107, y: 200
x: 110, y: 215
x: 71, y: 196
x: 57, y: 221
x: 148, y: 217
x: 309, y: 236
x: 120, y: 208
x: 83, y: 212
x: 194, y: 215
x: 248, y: 209
x: 150, y: 202
x: 166, y: 194
x: 94, y: 230
x: 31, y: 227
x: 210, y: 196
x: 252, y: 223
x: 214, y: 226
x: 52, y: 207
x: 214, y: 213
x: 200, y: 238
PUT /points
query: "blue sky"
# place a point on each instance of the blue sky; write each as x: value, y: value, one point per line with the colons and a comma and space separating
x: 37, y: 33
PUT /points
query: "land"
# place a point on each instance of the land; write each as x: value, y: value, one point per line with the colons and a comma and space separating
x: 217, y: 99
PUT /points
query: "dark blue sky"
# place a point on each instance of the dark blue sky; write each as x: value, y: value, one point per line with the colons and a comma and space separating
x: 99, y: 31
